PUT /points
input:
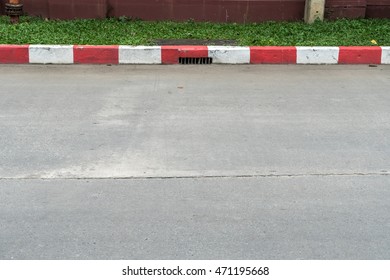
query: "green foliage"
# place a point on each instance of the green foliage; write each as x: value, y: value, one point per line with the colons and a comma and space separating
x: 128, y: 31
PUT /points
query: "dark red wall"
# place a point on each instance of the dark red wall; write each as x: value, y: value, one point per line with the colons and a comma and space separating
x: 67, y: 9
x: 378, y: 9
x: 210, y: 10
x: 201, y: 10
x: 357, y: 9
x: 345, y: 9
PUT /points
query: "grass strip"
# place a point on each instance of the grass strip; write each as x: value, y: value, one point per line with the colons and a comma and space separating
x: 125, y: 31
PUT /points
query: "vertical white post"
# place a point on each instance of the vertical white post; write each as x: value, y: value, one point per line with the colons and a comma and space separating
x: 314, y: 9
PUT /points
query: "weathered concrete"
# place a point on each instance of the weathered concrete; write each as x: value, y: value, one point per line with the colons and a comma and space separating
x: 60, y: 54
x: 317, y: 55
x: 323, y: 217
x: 314, y: 10
x: 277, y: 162
x: 386, y: 55
x: 72, y: 122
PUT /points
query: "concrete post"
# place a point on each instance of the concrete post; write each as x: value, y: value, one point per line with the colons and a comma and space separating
x: 314, y: 9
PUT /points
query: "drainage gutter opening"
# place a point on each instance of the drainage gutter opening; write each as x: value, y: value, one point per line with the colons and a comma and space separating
x: 195, y: 60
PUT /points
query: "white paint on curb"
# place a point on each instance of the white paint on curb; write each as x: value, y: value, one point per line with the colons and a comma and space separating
x: 385, y: 55
x: 51, y: 54
x: 139, y: 55
x: 229, y: 55
x: 317, y: 55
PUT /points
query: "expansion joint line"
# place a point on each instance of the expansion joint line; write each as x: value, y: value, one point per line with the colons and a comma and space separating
x: 237, y: 176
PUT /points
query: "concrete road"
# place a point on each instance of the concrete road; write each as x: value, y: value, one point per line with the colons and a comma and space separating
x: 194, y: 162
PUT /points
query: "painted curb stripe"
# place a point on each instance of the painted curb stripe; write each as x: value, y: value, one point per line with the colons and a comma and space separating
x: 360, y: 55
x: 139, y: 55
x: 51, y: 54
x: 68, y: 54
x: 96, y: 54
x: 171, y: 54
x: 317, y: 55
x: 385, y: 55
x: 273, y: 55
x: 15, y: 54
x: 229, y: 55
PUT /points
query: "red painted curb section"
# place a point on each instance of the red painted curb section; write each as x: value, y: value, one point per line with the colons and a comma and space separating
x: 96, y: 54
x: 273, y: 55
x: 15, y: 54
x: 360, y: 55
x: 171, y: 54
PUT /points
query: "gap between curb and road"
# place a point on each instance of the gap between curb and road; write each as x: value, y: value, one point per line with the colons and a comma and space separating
x: 84, y: 54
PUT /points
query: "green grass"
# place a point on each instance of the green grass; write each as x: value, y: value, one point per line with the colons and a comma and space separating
x: 124, y: 31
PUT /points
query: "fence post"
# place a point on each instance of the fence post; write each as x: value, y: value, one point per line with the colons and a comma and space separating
x: 314, y: 9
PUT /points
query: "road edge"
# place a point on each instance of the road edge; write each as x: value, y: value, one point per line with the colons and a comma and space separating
x: 117, y: 54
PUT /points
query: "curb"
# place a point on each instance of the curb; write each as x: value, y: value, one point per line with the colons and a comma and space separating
x: 76, y: 54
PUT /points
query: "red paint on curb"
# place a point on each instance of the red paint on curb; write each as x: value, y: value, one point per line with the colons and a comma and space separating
x: 360, y: 55
x: 15, y: 54
x: 273, y: 55
x: 171, y: 54
x: 96, y: 54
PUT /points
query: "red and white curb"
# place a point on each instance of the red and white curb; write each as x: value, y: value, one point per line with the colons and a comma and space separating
x: 74, y: 54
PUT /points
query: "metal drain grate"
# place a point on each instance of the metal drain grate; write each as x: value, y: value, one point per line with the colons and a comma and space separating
x: 195, y: 60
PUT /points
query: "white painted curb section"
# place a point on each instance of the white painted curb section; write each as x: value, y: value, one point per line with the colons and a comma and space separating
x: 230, y: 55
x: 317, y: 55
x: 385, y: 55
x: 51, y: 54
x: 139, y: 55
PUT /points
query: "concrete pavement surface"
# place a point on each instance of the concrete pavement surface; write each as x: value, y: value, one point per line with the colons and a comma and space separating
x: 194, y: 162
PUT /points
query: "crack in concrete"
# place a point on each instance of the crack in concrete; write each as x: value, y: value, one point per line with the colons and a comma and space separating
x: 354, y: 174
